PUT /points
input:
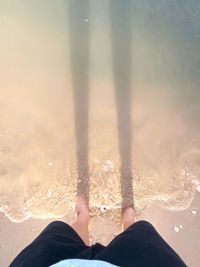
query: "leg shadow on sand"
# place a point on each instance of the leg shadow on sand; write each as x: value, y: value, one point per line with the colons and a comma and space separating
x: 120, y: 12
x: 79, y: 32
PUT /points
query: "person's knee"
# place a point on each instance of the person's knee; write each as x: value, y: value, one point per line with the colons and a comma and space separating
x: 56, y: 226
x: 56, y: 223
x: 141, y: 225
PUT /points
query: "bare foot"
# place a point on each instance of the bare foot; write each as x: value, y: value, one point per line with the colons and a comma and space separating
x: 82, y: 219
x: 128, y: 217
x: 82, y: 210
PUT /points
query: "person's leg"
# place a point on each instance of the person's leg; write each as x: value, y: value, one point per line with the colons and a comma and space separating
x: 58, y: 241
x: 139, y: 245
x: 128, y: 217
x: 116, y: 251
x: 82, y: 219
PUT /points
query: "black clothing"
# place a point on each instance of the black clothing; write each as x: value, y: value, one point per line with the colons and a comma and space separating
x: 139, y: 246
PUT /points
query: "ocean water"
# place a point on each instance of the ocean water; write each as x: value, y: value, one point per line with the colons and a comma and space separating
x: 101, y: 98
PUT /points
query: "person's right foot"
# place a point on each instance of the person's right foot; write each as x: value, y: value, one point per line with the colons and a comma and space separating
x: 82, y: 210
x: 82, y: 214
x: 128, y: 217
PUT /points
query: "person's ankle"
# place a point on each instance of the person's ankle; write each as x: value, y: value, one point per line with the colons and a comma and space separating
x: 82, y: 210
x: 128, y: 217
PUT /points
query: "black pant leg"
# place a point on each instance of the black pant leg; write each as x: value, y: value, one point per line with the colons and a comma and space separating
x: 141, y: 246
x: 58, y: 241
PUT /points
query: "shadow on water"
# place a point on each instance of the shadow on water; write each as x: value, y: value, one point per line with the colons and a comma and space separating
x: 79, y: 32
x: 120, y: 12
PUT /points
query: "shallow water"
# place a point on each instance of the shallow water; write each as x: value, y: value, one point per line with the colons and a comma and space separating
x: 142, y: 135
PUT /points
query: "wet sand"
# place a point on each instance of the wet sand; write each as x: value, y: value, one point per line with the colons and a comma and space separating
x: 39, y: 175
x: 38, y: 161
x: 132, y: 138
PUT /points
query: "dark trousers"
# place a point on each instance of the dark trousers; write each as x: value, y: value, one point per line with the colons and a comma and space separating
x: 139, y: 246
